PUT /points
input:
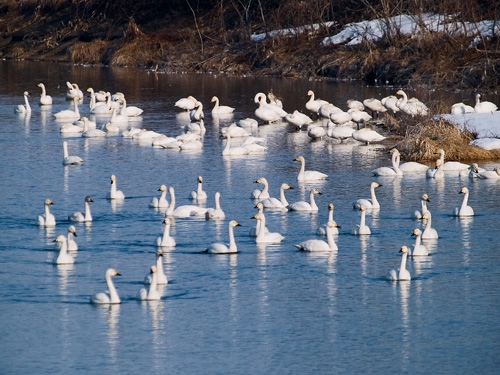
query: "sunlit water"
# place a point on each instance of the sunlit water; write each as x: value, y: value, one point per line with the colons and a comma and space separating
x: 264, y: 310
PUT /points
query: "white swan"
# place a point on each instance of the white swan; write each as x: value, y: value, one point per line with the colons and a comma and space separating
x: 340, y: 117
x: 97, y: 107
x: 429, y: 233
x: 118, y: 118
x: 73, y: 92
x: 111, y: 296
x: 131, y: 111
x: 395, y: 170
x: 412, y: 167
x: 161, y: 278
x: 359, y: 116
x: 187, y: 104
x: 361, y: 228
x: 68, y: 113
x: 306, y: 176
x: 436, y: 172
x: 130, y: 132
x: 166, y: 240
x: 313, y: 104
x: 220, y: 109
x: 197, y: 114
x: 220, y: 248
x: 355, y: 105
x: 418, y: 248
x: 401, y: 274
x: 161, y: 202
x: 367, y: 135
x: 114, y: 193
x: 215, y: 213
x: 319, y: 245
x: 70, y: 159
x: 340, y: 132
x: 484, y: 107
x: 47, y: 219
x: 322, y: 230
x: 152, y: 293
x: 423, y: 202
x: 72, y: 245
x: 63, y: 257
x: 266, y: 237
x: 199, y: 194
x: 413, y: 106
x: 182, y: 211
x: 267, y: 112
x: 375, y: 106
x: 327, y: 109
x: 274, y: 203
x: 298, y: 119
x: 233, y: 151
x: 69, y: 128
x: 461, y: 109
x: 26, y: 108
x: 369, y: 203
x: 304, y: 206
x: 258, y: 194
x: 44, y: 98
x: 88, y: 132
x: 464, y: 209
x: 494, y: 174
x: 235, y: 131
x: 111, y: 129
x: 389, y: 102
x: 451, y: 165
x: 274, y: 100
x: 258, y: 227
x: 316, y: 132
x: 81, y: 217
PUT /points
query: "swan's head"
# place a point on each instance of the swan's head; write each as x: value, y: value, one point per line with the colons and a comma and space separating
x: 464, y: 190
x: 332, y: 224
x: 474, y: 168
x: 375, y: 185
x: 234, y: 223
x: 257, y: 216
x: 162, y: 188
x: 425, y: 197
x: 310, y: 93
x: 26, y: 93
x: 257, y: 98
x: 259, y: 206
x: 72, y: 230
x: 112, y: 178
x: 90, y: 89
x: 112, y: 272
x: 315, y: 191
x: 261, y: 180
x: 403, y: 250
x: 200, y: 179
x: 330, y: 206
x: 440, y: 152
x: 416, y: 232
x: 362, y: 207
x: 299, y: 158
x: 286, y: 187
x: 426, y: 216
x: 400, y: 92
x: 75, y: 86
x: 40, y: 85
x: 159, y: 253
x: 214, y: 99
x: 88, y: 199
x: 48, y: 201
x: 394, y: 151
x: 60, y: 238
x: 166, y: 221
x: 217, y: 195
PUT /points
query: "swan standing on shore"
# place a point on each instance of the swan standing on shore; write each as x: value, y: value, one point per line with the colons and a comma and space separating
x: 313, y: 104
x: 464, y: 209
x: 298, y: 119
x: 114, y: 193
x: 63, y: 257
x: 274, y: 203
x: 161, y: 278
x: 26, y: 108
x: 199, y: 194
x: 304, y: 206
x: 220, y: 248
x: 266, y: 237
x: 215, y: 213
x: 484, y: 107
x: 366, y: 135
x: 401, y: 274
x: 70, y: 160
x: 111, y: 296
x: 47, y: 219
x: 220, y: 109
x: 371, y: 203
x: 418, y: 248
x: 423, y: 203
x: 44, y: 98
x: 320, y: 245
x: 150, y: 294
x: 361, y: 228
x: 81, y: 217
x: 165, y: 240
x: 306, y: 176
x: 161, y: 202
x: 412, y: 107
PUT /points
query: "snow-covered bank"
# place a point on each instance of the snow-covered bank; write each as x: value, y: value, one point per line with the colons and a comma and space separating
x: 291, y: 31
x: 486, y: 125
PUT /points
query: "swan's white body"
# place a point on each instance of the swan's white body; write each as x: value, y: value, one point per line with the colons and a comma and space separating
x: 274, y: 203
x: 359, y: 116
x: 258, y: 194
x: 162, y: 201
x: 304, y: 206
x: 464, y: 209
x: 267, y: 112
x: 72, y: 245
x: 313, y: 104
x: 340, y: 117
x: 220, y: 248
x: 371, y: 203
x: 69, y: 128
x: 99, y: 108
x: 327, y: 109
x: 118, y: 118
x: 367, y: 135
x: 389, y: 102
x: 130, y: 132
x: 418, y: 248
x: 375, y: 106
x: 452, y: 165
x: 233, y: 151
x: 355, y: 105
x: 73, y: 92
x: 186, y: 104
x: 340, y: 132
x: 161, y: 278
x: 484, y: 107
x: 88, y: 132
x: 306, y: 176
x: 82, y: 217
x: 264, y: 236
x: 412, y: 107
x: 197, y: 114
x: 70, y: 159
x: 26, y: 108
x: 298, y: 119
x: 114, y: 193
x: 394, y: 171
x: 494, y: 174
x: 429, y: 233
x: 47, y: 219
x: 423, y: 203
x: 44, y: 98
x: 111, y: 296
x: 362, y: 228
x: 316, y: 132
x: 68, y: 113
x: 199, y: 194
x: 436, y: 172
x: 319, y: 245
x: 182, y: 211
x: 166, y: 240
x: 235, y: 131
x: 220, y: 109
x: 131, y: 111
x: 63, y: 257
x: 413, y: 167
x: 461, y: 109
x: 258, y: 227
x: 401, y: 274
x: 322, y: 230
x: 150, y: 294
x: 215, y: 213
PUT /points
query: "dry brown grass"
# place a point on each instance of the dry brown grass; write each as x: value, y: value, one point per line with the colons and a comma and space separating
x: 88, y: 53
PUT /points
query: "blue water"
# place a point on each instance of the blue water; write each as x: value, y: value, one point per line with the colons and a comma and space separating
x: 266, y: 309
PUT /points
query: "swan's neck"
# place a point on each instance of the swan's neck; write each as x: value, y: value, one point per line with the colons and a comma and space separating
x: 217, y: 203
x: 92, y: 99
x: 283, y: 200
x: 262, y: 225
x: 373, y: 196
x: 302, y: 167
x: 76, y: 108
x: 43, y: 90
x: 112, y: 194
x: 152, y: 287
x: 395, y: 163
x: 330, y: 240
x: 64, y: 247
x: 228, y: 145
x: 417, y: 241
x: 216, y: 103
x: 171, y: 207
x: 427, y: 228
x: 402, y: 267
x: 330, y: 215
x: 113, y: 294
x: 47, y: 211
x: 266, y: 188
x: 478, y: 101
x: 405, y: 98
x: 159, y: 266
x: 465, y: 201
x: 362, y: 220
x: 312, y: 201
x: 88, y: 215
x: 65, y: 150
x: 163, y: 195
x: 232, y: 243
x: 124, y: 104
x: 424, y: 207
x: 166, y: 231
x: 26, y: 101
x: 200, y: 189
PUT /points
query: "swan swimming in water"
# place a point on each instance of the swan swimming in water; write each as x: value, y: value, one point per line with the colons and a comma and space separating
x: 319, y: 245
x: 63, y: 257
x: 254, y: 232
x: 418, y: 248
x: 304, y: 206
x: 44, y: 98
x: 401, y: 274
x: 166, y: 240
x: 131, y: 111
x: 70, y: 159
x: 394, y: 171
x: 72, y: 245
x: 429, y: 233
x: 361, y: 228
x: 322, y: 230
x: 68, y: 113
x: 494, y: 174
x: 197, y: 114
x: 161, y: 278
x: 220, y: 109
x: 267, y: 112
x: 313, y: 104
x: 436, y: 172
x: 182, y: 211
x: 369, y: 203
x: 150, y: 294
x: 274, y: 203
x: 258, y: 194
x: 26, y: 108
x: 306, y: 176
x: 111, y: 296
x: 73, y: 92
x: 423, y: 202
x: 187, y: 104
x: 161, y: 202
x: 199, y: 194
x: 451, y: 165
x: 47, y: 219
x: 114, y: 193
x: 266, y: 237
x: 89, y: 132
x: 464, y: 209
x: 81, y: 217
x: 215, y: 213
x: 220, y: 248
